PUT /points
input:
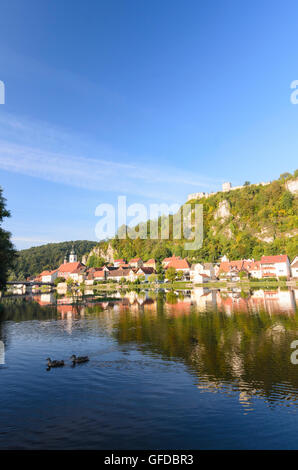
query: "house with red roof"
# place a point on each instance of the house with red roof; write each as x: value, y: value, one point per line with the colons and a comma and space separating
x: 100, y: 274
x: 180, y: 265
x: 166, y: 261
x: 151, y: 263
x: 49, y: 276
x: 136, y: 262
x: 73, y: 270
x: 119, y: 262
x: 275, y: 266
x: 253, y: 268
x: 118, y: 274
x: 231, y: 269
x: 145, y: 271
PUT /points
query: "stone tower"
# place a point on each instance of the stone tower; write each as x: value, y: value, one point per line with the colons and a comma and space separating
x: 72, y: 256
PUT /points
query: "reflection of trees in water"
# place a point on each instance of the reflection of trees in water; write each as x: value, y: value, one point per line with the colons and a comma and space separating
x: 20, y: 309
x: 250, y: 352
x: 17, y: 309
x: 244, y: 351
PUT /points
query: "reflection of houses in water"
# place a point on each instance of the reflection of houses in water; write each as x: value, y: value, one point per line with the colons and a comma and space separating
x: 276, y: 301
x: 232, y: 301
x: 68, y: 311
x: 203, y: 298
x: 273, y: 301
x: 134, y: 300
x: 45, y: 299
x: 179, y: 307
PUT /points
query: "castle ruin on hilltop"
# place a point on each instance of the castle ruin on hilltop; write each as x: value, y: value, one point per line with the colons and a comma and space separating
x: 226, y: 187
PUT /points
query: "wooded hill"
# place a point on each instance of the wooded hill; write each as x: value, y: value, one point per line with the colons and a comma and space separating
x: 249, y: 222
x: 36, y: 259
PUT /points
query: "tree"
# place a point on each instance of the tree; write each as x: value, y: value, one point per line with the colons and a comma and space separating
x: 171, y: 274
x: 247, y: 183
x: 58, y: 280
x: 286, y: 201
x: 152, y: 277
x: 285, y: 175
x: 95, y: 261
x: 70, y: 282
x: 180, y: 275
x: 7, y: 251
x: 243, y: 274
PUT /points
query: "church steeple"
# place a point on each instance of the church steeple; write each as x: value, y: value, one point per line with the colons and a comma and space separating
x: 72, y: 256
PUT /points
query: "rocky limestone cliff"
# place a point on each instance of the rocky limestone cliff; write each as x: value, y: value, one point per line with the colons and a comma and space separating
x: 223, y: 211
x: 107, y: 255
x: 292, y: 186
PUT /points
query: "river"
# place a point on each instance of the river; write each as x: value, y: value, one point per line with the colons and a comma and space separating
x: 202, y: 369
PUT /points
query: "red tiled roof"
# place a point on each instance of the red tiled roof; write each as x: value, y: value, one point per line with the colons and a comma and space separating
x: 45, y: 273
x: 69, y: 267
x: 252, y: 265
x: 226, y: 266
x: 178, y: 264
x: 134, y: 260
x: 274, y: 259
x: 99, y: 273
x: 172, y: 258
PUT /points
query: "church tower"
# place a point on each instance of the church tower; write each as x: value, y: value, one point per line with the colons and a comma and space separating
x: 72, y: 256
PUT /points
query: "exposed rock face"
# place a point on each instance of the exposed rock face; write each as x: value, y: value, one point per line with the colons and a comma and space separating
x: 228, y: 233
x: 265, y: 236
x: 223, y: 211
x: 107, y: 255
x: 292, y: 186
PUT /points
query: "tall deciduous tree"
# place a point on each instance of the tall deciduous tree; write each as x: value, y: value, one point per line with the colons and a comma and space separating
x: 7, y: 251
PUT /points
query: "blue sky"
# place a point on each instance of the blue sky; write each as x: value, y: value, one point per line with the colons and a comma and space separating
x: 148, y: 99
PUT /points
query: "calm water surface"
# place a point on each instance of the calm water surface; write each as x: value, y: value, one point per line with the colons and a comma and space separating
x: 205, y: 370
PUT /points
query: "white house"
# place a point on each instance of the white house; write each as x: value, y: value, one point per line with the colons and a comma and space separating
x: 49, y: 276
x: 145, y: 271
x: 275, y: 266
x: 136, y: 262
x: 199, y: 275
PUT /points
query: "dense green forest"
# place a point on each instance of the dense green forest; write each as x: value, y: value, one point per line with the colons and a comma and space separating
x: 259, y: 220
x: 36, y: 259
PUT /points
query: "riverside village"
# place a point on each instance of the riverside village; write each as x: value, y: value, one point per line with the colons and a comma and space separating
x: 75, y: 276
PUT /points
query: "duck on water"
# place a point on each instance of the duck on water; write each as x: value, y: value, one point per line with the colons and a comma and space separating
x: 54, y: 363
x: 79, y: 359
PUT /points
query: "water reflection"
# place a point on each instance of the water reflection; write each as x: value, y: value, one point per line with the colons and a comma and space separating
x: 231, y: 343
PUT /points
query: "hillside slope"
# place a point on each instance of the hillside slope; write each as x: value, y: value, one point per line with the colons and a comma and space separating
x: 34, y: 260
x: 244, y: 223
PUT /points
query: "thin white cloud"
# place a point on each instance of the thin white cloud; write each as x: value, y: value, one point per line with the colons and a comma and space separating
x: 33, y: 240
x: 103, y: 171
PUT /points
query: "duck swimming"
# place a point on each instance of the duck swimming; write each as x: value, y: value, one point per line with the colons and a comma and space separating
x: 79, y: 360
x: 54, y: 363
